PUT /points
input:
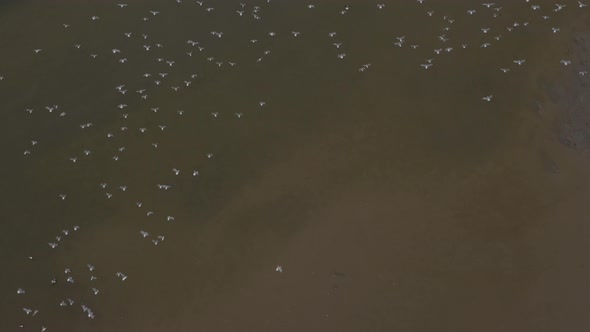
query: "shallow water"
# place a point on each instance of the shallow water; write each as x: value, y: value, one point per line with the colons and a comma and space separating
x: 393, y: 198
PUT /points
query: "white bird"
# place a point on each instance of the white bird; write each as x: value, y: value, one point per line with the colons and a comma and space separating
x: 195, y: 173
x: 426, y: 65
x: 487, y: 98
x: 122, y: 5
x: 279, y: 268
x: 488, y: 4
x: 37, y: 50
x: 580, y: 4
x: 519, y: 62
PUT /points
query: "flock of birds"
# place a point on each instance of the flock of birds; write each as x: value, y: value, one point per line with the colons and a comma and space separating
x: 156, y: 79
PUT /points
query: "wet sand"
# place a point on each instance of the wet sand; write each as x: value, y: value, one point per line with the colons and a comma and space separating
x: 393, y: 200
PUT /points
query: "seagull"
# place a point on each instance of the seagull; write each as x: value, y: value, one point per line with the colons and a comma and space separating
x: 471, y: 11
x: 279, y: 268
x: 505, y: 70
x: 426, y: 65
x: 485, y: 30
x: 519, y: 62
x: 122, y: 5
x: 487, y: 98
x: 580, y: 4
x: 488, y: 4
x: 20, y: 291
x: 337, y: 45
x: 565, y: 62
x: 37, y: 50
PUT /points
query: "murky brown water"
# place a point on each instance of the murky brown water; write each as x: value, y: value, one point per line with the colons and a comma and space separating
x: 393, y: 198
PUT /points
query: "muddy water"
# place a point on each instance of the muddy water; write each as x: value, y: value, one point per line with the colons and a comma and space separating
x: 393, y: 198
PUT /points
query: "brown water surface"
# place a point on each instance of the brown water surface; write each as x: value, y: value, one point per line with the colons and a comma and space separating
x: 393, y: 198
